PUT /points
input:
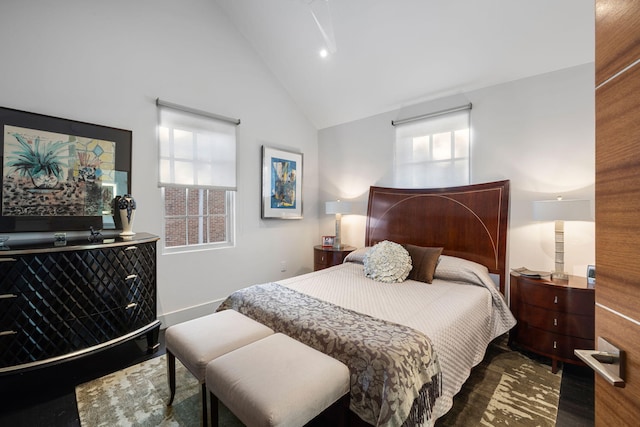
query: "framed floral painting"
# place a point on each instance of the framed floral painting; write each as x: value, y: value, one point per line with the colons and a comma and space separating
x: 59, y: 174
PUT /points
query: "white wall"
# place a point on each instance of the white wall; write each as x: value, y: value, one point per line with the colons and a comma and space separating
x: 106, y: 62
x: 537, y: 132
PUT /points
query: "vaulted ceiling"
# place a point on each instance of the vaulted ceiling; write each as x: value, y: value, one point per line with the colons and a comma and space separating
x: 392, y: 53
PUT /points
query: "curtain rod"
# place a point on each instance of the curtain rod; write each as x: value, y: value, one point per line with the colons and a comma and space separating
x: 161, y: 103
x: 429, y: 115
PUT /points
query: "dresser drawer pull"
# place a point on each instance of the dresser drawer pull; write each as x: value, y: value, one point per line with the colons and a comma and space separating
x: 3, y: 333
x: 555, y: 322
x: 8, y: 260
x: 555, y: 344
x: 322, y: 258
x: 130, y: 248
x: 131, y: 305
x: 131, y: 276
x: 555, y: 299
x: 7, y: 296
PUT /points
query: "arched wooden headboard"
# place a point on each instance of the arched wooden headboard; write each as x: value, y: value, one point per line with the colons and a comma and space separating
x: 469, y: 222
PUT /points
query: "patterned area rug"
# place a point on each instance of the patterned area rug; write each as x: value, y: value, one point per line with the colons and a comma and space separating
x: 138, y: 396
x: 505, y: 389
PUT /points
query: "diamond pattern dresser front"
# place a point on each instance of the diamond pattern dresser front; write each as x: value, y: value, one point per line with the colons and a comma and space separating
x: 59, y: 302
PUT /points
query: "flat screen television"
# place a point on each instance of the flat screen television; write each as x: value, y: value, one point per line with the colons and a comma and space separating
x: 60, y: 174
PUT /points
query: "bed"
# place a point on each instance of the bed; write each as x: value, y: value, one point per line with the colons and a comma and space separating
x: 409, y: 345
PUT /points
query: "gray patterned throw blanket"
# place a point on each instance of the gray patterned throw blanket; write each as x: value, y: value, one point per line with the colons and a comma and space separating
x: 395, y: 374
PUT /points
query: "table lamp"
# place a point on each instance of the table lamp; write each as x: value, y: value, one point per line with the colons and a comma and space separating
x: 338, y: 208
x: 560, y: 210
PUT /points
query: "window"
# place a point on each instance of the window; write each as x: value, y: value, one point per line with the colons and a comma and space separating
x: 197, y: 216
x: 198, y: 178
x: 433, y: 151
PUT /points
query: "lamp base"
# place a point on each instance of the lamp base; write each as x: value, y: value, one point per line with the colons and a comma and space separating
x: 559, y: 275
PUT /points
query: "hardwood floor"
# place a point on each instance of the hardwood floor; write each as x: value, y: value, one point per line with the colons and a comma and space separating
x: 46, y: 397
x: 576, y: 397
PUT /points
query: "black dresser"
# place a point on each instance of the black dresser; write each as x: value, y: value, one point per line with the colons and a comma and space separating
x: 63, y: 302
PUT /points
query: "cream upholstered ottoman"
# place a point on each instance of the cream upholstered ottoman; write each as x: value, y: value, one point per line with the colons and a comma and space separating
x: 197, y: 342
x: 278, y: 381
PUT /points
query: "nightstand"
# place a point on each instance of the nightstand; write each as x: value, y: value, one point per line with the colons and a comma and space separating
x: 324, y: 257
x: 554, y: 317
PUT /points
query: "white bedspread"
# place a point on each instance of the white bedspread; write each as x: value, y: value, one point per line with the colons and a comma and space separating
x: 460, y: 317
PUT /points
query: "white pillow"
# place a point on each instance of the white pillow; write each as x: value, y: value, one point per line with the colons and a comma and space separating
x: 387, y: 262
x: 358, y: 255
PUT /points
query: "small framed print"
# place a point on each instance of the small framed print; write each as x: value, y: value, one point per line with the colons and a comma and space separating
x: 327, y: 241
x: 591, y: 275
x: 281, y: 184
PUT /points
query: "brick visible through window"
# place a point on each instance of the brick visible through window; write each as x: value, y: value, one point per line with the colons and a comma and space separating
x: 195, y: 216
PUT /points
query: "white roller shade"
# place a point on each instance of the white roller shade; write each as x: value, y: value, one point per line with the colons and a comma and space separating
x: 196, y: 150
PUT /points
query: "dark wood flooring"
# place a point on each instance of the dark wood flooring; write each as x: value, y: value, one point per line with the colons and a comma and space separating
x: 46, y: 397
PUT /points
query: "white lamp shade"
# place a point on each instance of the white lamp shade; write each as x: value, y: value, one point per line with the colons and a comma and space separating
x: 338, y: 207
x: 565, y: 210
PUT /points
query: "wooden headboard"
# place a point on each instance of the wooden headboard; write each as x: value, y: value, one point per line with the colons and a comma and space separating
x: 469, y: 222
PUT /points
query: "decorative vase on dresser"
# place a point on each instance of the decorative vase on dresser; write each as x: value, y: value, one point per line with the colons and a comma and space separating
x: 127, y: 208
x: 554, y: 316
x: 62, y: 302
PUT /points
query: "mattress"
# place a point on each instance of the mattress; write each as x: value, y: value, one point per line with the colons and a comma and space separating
x: 461, y: 311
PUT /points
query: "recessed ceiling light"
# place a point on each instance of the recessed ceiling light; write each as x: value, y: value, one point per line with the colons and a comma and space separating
x: 324, y: 53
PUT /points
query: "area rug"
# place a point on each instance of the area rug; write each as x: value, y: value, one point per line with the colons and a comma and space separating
x: 505, y: 389
x: 138, y: 396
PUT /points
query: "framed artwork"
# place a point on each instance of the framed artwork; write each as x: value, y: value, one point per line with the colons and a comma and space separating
x: 59, y: 174
x: 281, y: 184
x: 591, y: 275
x: 327, y: 241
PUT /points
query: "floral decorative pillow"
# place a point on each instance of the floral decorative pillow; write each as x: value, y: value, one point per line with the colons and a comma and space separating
x: 387, y: 262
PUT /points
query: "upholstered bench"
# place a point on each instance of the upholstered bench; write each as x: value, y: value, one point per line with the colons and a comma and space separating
x: 197, y: 342
x: 278, y: 381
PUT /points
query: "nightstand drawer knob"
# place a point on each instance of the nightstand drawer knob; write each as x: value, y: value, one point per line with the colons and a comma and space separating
x: 555, y: 322
x: 322, y: 258
x: 555, y: 344
x: 555, y: 299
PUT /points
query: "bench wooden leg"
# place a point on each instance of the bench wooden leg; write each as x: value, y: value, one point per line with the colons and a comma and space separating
x: 205, y: 413
x: 171, y: 376
x: 213, y: 404
x: 343, y: 416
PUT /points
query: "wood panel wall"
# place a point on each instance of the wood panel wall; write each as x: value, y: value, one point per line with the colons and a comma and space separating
x: 618, y: 202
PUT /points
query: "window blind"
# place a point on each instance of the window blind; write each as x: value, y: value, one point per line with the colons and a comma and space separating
x: 196, y: 150
x: 433, y: 152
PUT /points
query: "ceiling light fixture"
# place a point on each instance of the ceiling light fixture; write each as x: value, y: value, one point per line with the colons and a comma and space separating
x: 324, y: 53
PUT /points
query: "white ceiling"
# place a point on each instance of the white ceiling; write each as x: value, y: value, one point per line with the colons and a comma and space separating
x: 393, y: 53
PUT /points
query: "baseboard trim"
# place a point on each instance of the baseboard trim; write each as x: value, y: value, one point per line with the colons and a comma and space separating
x: 189, y: 313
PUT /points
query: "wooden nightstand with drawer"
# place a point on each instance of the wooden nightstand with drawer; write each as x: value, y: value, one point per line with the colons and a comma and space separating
x: 324, y: 257
x: 554, y: 317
